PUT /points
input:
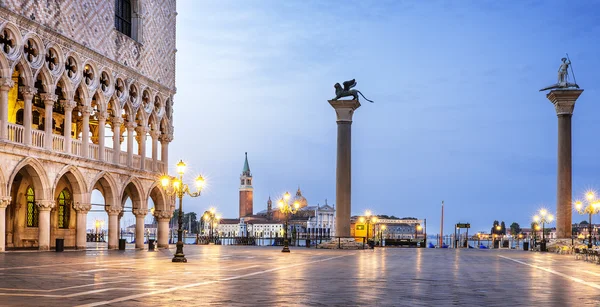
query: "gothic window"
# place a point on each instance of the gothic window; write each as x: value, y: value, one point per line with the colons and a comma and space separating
x: 64, y: 204
x: 123, y: 16
x: 32, y: 210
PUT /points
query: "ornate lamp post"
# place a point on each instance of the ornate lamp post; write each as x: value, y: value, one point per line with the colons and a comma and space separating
x: 174, y: 186
x: 287, y: 209
x: 211, y: 217
x: 543, y: 217
x: 593, y: 207
x: 369, y: 219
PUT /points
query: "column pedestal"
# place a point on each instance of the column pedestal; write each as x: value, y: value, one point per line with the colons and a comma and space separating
x: 113, y: 227
x: 80, y: 237
x: 344, y: 110
x: 564, y: 103
x: 4, y: 202
x: 140, y: 215
x: 44, y: 207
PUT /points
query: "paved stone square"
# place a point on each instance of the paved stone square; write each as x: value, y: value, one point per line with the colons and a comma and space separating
x: 263, y: 276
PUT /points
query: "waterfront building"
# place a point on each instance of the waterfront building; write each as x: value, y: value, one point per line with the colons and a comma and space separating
x: 395, y: 228
x: 315, y: 220
x: 86, y: 103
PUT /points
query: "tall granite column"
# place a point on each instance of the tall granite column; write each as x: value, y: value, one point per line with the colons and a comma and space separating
x: 344, y: 109
x: 564, y: 103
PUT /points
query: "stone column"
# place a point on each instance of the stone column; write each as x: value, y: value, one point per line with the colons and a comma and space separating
x: 44, y: 208
x: 130, y: 128
x: 5, y: 85
x: 68, y: 105
x: 344, y: 110
x: 113, y: 227
x: 141, y: 138
x: 85, y: 133
x: 564, y: 103
x: 82, y: 211
x: 4, y: 202
x: 117, y: 122
x: 101, y: 127
x: 163, y: 218
x: 165, y: 139
x: 27, y: 93
x: 140, y: 215
x: 154, y: 134
x: 49, y: 100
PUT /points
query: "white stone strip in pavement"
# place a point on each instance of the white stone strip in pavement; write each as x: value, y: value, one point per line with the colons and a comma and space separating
x: 575, y: 279
x: 136, y: 296
x: 80, y: 293
x: 61, y: 289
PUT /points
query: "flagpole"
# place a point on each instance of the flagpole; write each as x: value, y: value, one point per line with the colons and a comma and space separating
x: 441, y: 244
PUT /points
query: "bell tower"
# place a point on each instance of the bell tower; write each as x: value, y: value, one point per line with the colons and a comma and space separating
x: 246, y: 190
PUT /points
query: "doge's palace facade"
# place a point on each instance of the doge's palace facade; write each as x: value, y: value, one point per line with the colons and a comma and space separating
x: 86, y: 86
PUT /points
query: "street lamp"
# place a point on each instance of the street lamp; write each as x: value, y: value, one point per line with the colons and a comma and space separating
x: 381, y: 231
x: 543, y: 217
x: 369, y: 219
x: 287, y: 209
x: 174, y: 186
x: 212, y: 218
x: 417, y: 229
x: 592, y: 207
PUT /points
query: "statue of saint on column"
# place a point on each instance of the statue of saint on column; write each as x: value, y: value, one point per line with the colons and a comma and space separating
x: 563, y: 76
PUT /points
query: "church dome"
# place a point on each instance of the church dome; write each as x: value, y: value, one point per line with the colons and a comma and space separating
x: 300, y: 199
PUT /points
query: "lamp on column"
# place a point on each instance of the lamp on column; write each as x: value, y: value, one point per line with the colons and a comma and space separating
x: 287, y: 209
x: 592, y: 207
x: 175, y: 186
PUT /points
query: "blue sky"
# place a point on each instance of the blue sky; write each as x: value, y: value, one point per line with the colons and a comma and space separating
x: 457, y: 113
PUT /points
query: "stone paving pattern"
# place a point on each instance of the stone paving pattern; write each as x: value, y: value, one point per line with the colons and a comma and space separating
x: 263, y: 276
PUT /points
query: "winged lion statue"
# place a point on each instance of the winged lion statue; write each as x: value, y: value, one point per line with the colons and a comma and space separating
x: 347, y: 91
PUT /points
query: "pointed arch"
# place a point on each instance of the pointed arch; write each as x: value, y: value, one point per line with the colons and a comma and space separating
x: 75, y: 178
x: 153, y: 122
x: 107, y: 185
x: 5, y: 69
x: 3, y: 185
x: 25, y: 73
x: 47, y: 83
x: 67, y: 87
x: 36, y: 170
x: 133, y: 189
x: 159, y: 198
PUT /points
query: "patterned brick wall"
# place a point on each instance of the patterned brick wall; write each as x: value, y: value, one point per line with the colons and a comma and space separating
x: 92, y: 24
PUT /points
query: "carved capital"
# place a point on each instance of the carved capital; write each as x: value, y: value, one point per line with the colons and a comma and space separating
x: 27, y: 92
x: 5, y: 201
x: 85, y: 110
x: 113, y: 210
x: 68, y: 105
x: 166, y: 138
x: 564, y: 100
x: 49, y: 99
x: 154, y: 134
x: 6, y: 84
x: 45, y: 205
x: 142, y: 130
x: 131, y: 125
x: 82, y: 208
x: 140, y: 212
x: 102, y: 115
x: 163, y: 215
x: 117, y: 121
x: 344, y: 109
